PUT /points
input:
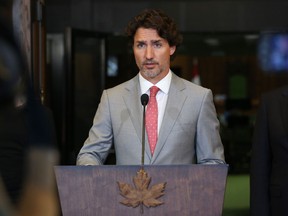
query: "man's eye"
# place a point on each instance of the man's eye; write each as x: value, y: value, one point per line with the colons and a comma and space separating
x: 140, y: 45
x: 157, y: 45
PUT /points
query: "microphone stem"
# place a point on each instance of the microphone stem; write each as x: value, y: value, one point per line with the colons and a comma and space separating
x: 143, y: 135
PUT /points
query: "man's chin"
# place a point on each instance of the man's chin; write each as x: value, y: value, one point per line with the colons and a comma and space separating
x: 150, y: 74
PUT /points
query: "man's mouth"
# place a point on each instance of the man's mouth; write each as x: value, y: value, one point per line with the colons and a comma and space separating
x: 150, y: 65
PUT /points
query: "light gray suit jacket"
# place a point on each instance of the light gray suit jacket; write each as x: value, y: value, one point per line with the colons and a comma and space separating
x: 189, y: 132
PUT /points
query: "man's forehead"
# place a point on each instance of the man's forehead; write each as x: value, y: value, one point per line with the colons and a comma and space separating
x: 147, y: 34
x: 150, y: 40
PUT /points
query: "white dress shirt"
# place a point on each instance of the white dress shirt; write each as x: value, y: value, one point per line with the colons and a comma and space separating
x: 162, y: 94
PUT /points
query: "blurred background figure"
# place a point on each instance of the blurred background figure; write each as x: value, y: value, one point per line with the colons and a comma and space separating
x: 27, y: 137
x: 269, y: 160
x: 269, y: 155
x: 13, y: 127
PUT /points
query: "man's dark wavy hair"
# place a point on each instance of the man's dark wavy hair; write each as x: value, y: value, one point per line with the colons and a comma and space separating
x: 158, y: 20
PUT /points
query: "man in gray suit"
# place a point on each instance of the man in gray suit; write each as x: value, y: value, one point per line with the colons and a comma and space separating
x: 188, y: 128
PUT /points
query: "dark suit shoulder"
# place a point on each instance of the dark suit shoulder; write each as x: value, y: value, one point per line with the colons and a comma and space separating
x: 275, y: 93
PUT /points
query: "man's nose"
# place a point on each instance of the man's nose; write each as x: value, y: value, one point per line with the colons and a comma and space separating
x: 149, y: 52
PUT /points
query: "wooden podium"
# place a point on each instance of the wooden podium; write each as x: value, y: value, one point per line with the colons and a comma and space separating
x: 190, y: 190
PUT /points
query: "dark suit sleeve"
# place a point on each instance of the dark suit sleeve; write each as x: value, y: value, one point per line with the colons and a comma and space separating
x: 13, y: 145
x: 260, y: 165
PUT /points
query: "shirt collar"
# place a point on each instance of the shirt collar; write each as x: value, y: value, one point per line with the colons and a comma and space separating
x: 163, y: 84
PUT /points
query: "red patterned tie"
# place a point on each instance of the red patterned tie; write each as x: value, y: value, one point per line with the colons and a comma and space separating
x: 152, y: 119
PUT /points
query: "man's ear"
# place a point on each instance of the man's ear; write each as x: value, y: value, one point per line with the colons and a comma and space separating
x: 172, y: 50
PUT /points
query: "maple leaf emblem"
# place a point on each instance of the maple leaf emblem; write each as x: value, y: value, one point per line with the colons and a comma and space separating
x: 140, y: 194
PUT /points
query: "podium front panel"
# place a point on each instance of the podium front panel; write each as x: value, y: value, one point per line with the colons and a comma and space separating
x: 190, y: 190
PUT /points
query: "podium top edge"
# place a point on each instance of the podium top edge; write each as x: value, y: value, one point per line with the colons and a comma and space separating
x: 147, y: 166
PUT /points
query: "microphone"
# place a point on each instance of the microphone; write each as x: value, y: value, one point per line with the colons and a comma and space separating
x: 144, y: 102
x: 144, y: 99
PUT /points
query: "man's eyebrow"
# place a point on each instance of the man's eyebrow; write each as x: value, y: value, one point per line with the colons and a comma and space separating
x: 157, y: 41
x: 145, y: 42
x: 140, y: 41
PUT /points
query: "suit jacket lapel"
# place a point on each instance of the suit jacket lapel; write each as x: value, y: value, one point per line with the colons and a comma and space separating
x: 133, y: 104
x: 175, y: 101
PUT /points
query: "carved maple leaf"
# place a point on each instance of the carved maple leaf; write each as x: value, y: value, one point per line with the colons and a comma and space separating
x: 140, y: 194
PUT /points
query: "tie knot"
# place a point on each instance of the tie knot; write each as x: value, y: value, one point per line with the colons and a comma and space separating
x: 153, y: 91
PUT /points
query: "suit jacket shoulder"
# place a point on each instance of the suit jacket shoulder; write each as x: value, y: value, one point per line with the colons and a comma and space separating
x: 183, y: 83
x: 129, y: 85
